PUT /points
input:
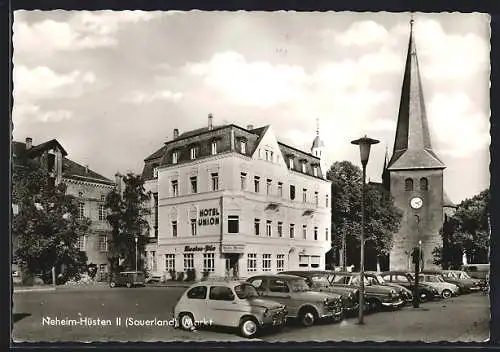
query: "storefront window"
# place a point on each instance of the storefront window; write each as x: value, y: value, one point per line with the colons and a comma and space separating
x: 303, y: 261
x: 233, y: 224
x: 188, y: 261
x: 280, y: 262
x: 208, y: 262
x: 266, y: 262
x: 169, y: 262
x: 251, y: 262
x: 315, y: 259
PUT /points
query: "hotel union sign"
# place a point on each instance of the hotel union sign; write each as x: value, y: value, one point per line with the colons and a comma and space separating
x: 208, y: 217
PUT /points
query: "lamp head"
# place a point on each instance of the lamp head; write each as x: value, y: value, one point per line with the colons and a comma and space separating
x: 364, y: 147
x: 136, y: 239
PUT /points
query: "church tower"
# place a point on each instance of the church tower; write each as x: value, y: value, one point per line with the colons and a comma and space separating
x: 318, y: 150
x: 415, y: 173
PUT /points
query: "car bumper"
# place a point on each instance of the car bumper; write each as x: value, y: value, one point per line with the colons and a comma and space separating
x: 335, y: 313
x: 394, y: 304
x: 275, y: 320
x: 474, y: 288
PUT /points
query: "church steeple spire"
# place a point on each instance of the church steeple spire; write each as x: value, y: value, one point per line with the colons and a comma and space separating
x: 412, y: 144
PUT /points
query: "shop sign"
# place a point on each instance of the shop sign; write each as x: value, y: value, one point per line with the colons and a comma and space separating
x: 233, y: 248
x: 208, y: 217
x: 207, y: 248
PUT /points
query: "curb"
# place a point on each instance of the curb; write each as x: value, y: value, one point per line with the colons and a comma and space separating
x: 34, y: 289
x: 173, y: 285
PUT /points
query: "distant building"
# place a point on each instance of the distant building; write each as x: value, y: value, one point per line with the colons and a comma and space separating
x: 87, y: 185
x: 235, y: 201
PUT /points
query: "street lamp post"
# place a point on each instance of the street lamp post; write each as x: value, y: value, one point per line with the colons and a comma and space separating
x: 136, y: 239
x: 365, y: 144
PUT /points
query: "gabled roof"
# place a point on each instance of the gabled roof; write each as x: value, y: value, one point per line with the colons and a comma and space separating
x: 36, y: 150
x: 73, y: 170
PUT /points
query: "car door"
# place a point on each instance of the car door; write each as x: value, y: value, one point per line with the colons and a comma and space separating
x: 196, y: 302
x: 222, y: 306
x: 278, y: 290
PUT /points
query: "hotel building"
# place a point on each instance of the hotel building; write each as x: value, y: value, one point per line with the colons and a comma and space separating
x: 228, y: 200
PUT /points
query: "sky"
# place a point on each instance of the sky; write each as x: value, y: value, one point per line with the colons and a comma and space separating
x: 112, y: 86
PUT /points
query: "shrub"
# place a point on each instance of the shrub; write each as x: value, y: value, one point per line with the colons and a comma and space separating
x: 206, y: 274
x: 172, y: 274
x: 191, y: 275
x: 180, y: 276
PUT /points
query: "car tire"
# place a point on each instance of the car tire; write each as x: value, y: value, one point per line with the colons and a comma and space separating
x: 129, y: 284
x: 112, y: 284
x: 307, y: 317
x: 446, y: 294
x: 186, y: 321
x: 424, y: 296
x: 248, y: 327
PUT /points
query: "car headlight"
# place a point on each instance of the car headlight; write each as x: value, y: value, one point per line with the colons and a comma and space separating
x: 266, y: 312
x: 326, y: 301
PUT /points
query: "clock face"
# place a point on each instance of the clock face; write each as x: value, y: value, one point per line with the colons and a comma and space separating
x: 416, y: 202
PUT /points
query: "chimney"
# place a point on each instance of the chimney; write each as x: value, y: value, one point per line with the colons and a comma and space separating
x: 210, y: 122
x: 176, y: 133
x: 249, y: 127
x: 29, y: 143
x: 86, y: 168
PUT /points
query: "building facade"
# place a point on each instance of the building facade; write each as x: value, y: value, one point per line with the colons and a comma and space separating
x: 89, y: 187
x: 235, y: 201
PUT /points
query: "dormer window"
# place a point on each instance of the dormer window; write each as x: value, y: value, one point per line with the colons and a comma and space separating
x: 214, y: 147
x: 243, y: 147
x: 315, y: 171
x: 193, y: 153
x: 155, y: 170
x: 290, y: 163
x: 174, y: 158
x: 303, y: 166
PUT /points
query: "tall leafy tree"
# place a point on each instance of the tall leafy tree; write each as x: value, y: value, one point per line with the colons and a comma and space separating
x: 382, y: 218
x: 127, y: 213
x: 46, y: 229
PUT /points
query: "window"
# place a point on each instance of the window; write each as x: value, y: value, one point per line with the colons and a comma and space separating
x: 315, y: 259
x: 188, y: 261
x: 174, y: 158
x: 194, y: 184
x: 103, y: 198
x: 175, y: 188
x: 327, y: 201
x: 315, y: 171
x: 193, y: 153
x: 424, y: 184
x: 257, y: 226
x: 251, y: 262
x: 221, y: 293
x: 408, y: 184
x: 103, y: 243
x: 280, y: 229
x: 315, y: 233
x: 304, y: 232
x: 292, y: 192
x: 193, y: 227
x: 326, y: 234
x: 215, y: 181
x: 303, y: 261
x: 316, y: 198
x: 292, y: 231
x: 81, y: 210
x: 277, y: 285
x: 290, y: 163
x: 82, y: 243
x: 280, y: 262
x: 304, y: 195
x: 256, y: 182
x: 155, y: 205
x: 214, y: 147
x: 198, y: 292
x: 303, y: 167
x: 169, y: 262
x: 268, y: 228
x: 102, y: 212
x: 209, y: 262
x: 266, y: 262
x: 243, y: 146
x: 243, y: 181
x: 280, y: 189
x: 268, y: 187
x: 174, y: 228
x: 233, y: 224
x: 155, y: 171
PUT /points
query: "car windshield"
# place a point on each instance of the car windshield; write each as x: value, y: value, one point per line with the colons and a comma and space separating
x: 356, y: 281
x: 430, y: 278
x: 463, y: 275
x: 380, y: 279
x: 299, y: 285
x: 245, y: 291
x: 320, y: 280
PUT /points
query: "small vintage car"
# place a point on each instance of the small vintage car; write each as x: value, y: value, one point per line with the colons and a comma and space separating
x: 465, y: 285
x: 376, y: 296
x: 301, y: 301
x: 480, y: 272
x: 230, y: 303
x: 376, y: 279
x: 127, y: 278
x: 318, y: 280
x: 405, y: 279
x: 445, y: 289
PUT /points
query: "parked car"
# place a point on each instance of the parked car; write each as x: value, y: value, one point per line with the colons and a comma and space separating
x: 405, y: 279
x: 319, y: 281
x: 377, y: 297
x: 377, y: 279
x: 301, y: 301
x: 460, y: 278
x: 445, y: 289
x: 127, y: 278
x: 478, y: 271
x: 154, y: 277
x: 230, y: 303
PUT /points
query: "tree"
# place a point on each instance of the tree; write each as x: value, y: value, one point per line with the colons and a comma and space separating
x: 126, y: 216
x: 46, y: 228
x: 466, y: 231
x: 382, y: 218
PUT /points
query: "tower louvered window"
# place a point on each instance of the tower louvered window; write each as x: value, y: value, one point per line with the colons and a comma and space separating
x: 424, y: 184
x: 408, y: 184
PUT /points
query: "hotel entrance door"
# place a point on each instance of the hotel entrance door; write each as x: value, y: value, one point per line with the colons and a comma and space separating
x: 232, y: 270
